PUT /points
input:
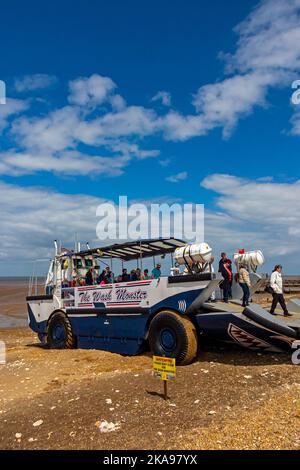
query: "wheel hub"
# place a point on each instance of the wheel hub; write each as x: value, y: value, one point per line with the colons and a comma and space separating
x: 168, y: 339
x: 59, y: 332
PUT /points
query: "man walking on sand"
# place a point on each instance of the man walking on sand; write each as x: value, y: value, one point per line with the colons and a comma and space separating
x: 276, y: 285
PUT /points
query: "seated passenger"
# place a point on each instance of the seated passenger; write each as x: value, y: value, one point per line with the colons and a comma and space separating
x: 125, y: 276
x: 145, y: 275
x: 89, y: 281
x: 156, y: 272
x: 133, y: 275
x: 109, y: 277
x: 138, y: 274
x: 101, y: 277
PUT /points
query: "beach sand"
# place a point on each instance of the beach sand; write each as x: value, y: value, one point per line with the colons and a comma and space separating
x: 57, y: 399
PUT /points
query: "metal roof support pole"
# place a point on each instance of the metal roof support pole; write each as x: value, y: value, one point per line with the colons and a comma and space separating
x: 111, y: 262
x: 141, y: 256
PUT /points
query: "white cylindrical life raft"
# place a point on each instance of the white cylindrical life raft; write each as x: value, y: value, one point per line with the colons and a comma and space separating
x: 253, y: 259
x: 193, y: 254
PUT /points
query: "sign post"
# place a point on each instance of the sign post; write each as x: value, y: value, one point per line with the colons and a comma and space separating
x: 165, y: 369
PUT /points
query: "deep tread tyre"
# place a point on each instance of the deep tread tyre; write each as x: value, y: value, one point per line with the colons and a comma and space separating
x: 59, y: 334
x: 173, y: 335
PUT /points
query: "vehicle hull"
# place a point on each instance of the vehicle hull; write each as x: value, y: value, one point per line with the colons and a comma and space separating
x: 117, y: 317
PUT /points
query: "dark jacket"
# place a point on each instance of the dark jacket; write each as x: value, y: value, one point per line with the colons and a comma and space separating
x: 221, y: 262
x: 89, y: 279
x: 226, y: 275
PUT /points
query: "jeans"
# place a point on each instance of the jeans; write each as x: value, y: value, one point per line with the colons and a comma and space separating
x: 246, y: 293
x: 226, y: 288
x: 278, y: 298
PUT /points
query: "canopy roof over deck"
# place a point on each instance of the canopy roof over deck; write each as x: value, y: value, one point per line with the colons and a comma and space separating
x: 135, y: 249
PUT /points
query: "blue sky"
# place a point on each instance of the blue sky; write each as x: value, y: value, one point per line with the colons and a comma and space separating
x: 186, y: 101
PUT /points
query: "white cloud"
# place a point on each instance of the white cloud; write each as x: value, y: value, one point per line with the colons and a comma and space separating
x: 11, y: 108
x: 223, y: 104
x: 54, y: 132
x: 267, y: 56
x: 33, y: 82
x: 90, y: 91
x: 46, y: 142
x: 178, y: 177
x: 31, y: 218
x: 179, y: 127
x: 163, y: 96
x: 165, y: 162
x: 117, y: 102
x: 67, y: 163
x: 268, y: 210
x: 132, y: 150
x: 269, y: 38
x: 134, y: 120
x: 66, y: 127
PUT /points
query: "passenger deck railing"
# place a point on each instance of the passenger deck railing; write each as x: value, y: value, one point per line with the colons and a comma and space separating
x: 35, y: 286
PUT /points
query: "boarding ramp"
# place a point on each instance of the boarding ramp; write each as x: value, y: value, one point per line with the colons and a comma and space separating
x: 293, y: 306
x: 263, y: 318
x: 287, y: 326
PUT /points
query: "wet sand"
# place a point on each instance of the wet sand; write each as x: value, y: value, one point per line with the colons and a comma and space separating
x: 229, y: 398
x: 12, y: 303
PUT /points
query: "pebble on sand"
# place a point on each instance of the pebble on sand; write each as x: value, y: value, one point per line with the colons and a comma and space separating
x: 105, y: 426
x: 38, y: 423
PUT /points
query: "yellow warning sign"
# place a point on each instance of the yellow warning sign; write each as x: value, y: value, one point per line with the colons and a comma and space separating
x: 164, y: 367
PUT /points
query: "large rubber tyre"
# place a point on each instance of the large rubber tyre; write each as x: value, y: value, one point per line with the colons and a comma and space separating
x: 173, y: 335
x: 59, y: 333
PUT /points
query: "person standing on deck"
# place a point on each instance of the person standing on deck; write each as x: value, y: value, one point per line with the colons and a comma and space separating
x: 222, y: 261
x: 156, y: 272
x: 244, y: 282
x: 227, y: 280
x: 221, y: 264
x: 277, y: 294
